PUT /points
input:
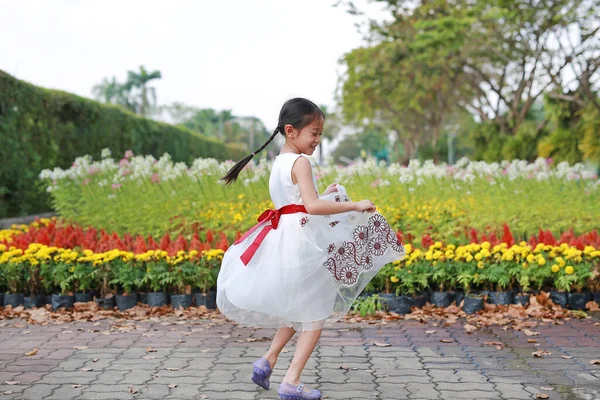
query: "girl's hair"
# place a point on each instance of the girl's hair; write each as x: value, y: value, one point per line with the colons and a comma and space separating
x: 297, y: 112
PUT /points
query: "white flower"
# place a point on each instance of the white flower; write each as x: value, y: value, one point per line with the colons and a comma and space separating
x: 105, y: 153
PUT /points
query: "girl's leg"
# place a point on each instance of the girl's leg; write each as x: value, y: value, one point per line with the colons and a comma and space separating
x: 304, y: 348
x: 282, y: 337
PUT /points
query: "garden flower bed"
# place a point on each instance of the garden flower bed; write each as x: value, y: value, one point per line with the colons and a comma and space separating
x: 50, y: 262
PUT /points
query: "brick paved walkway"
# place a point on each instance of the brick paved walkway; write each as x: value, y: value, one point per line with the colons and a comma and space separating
x: 87, y: 360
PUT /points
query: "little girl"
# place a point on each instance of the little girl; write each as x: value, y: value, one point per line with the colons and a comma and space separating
x: 305, y: 262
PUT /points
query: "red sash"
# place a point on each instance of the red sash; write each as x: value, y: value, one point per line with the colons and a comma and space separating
x: 268, y: 215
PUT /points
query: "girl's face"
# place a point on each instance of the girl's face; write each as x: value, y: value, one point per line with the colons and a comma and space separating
x: 306, y: 139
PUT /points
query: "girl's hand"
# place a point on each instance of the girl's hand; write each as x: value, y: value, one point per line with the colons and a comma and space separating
x: 366, y: 205
x: 330, y: 189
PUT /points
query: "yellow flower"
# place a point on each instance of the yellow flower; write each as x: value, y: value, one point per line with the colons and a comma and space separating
x: 394, y: 279
x: 525, y: 265
x: 541, y: 261
x: 569, y: 270
x: 480, y: 265
x: 555, y: 268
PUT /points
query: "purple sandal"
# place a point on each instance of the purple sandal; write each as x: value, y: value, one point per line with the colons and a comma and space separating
x: 261, y: 372
x: 291, y: 392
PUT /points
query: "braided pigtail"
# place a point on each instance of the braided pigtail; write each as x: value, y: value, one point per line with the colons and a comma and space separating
x: 233, y: 173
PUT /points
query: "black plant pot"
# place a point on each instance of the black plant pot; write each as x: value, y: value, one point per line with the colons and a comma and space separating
x: 1, y: 299
x: 156, y: 299
x: 596, y: 297
x: 59, y: 301
x: 559, y: 298
x: 456, y: 296
x: 385, y: 299
x: 472, y: 304
x: 37, y: 300
x: 142, y: 297
x: 13, y: 299
x: 181, y: 300
x: 501, y: 298
x: 208, y: 300
x: 84, y: 297
x: 577, y: 301
x: 440, y: 299
x: 106, y: 303
x: 48, y: 299
x: 521, y: 299
x: 126, y: 302
x: 400, y: 305
x: 418, y: 301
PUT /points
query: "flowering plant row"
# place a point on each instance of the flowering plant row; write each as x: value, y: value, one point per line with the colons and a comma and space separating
x: 177, y: 266
x: 45, y: 269
x: 142, y: 195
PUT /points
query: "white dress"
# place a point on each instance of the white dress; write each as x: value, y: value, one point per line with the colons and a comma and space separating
x: 311, y: 268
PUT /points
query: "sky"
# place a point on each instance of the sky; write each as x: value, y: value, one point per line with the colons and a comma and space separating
x: 248, y: 56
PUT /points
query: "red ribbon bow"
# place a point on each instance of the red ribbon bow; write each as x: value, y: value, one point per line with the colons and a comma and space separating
x: 268, y: 215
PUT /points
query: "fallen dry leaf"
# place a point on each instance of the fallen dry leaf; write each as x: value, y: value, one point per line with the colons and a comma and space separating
x: 150, y: 350
x: 379, y: 344
x: 172, y: 369
x: 95, y: 360
x: 470, y: 328
x: 203, y: 396
x: 8, y: 392
x: 541, y: 353
x: 531, y: 333
x: 87, y: 369
x: 446, y: 340
x: 80, y: 347
x: 531, y: 341
x: 430, y: 332
x: 592, y: 306
x: 32, y: 352
x: 566, y: 357
x: 225, y: 336
x: 592, y: 362
x: 345, y: 367
x: 12, y: 382
x: 542, y: 396
x: 132, y: 390
x: 76, y: 386
x: 549, y: 389
x: 172, y: 386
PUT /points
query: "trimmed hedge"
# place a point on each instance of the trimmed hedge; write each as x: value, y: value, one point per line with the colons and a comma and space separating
x: 42, y: 128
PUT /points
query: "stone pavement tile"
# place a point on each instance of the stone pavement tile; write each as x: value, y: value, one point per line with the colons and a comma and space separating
x: 352, y: 394
x: 125, y: 395
x: 152, y: 391
x: 348, y: 386
x: 237, y: 395
x: 66, y: 392
x: 332, y: 375
x: 36, y: 391
x: 469, y: 394
x: 63, y: 377
x: 443, y: 376
x: 392, y: 391
x: 512, y: 391
x: 383, y: 372
x: 137, y: 378
x: 422, y: 391
x: 183, y: 391
x: 404, y: 379
x: 464, y: 387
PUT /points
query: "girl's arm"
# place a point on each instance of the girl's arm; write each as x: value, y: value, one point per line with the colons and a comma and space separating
x: 302, y: 174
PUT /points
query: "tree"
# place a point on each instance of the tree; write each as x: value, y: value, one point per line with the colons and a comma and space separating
x: 111, y: 91
x: 494, y: 58
x: 332, y: 127
x: 147, y: 95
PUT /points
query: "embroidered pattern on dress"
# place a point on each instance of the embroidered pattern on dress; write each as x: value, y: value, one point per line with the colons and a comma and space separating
x: 337, y: 198
x: 334, y: 223
x: 303, y: 221
x: 347, y: 259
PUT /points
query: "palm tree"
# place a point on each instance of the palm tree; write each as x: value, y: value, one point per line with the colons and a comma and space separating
x: 107, y: 91
x: 140, y: 81
x: 332, y: 127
